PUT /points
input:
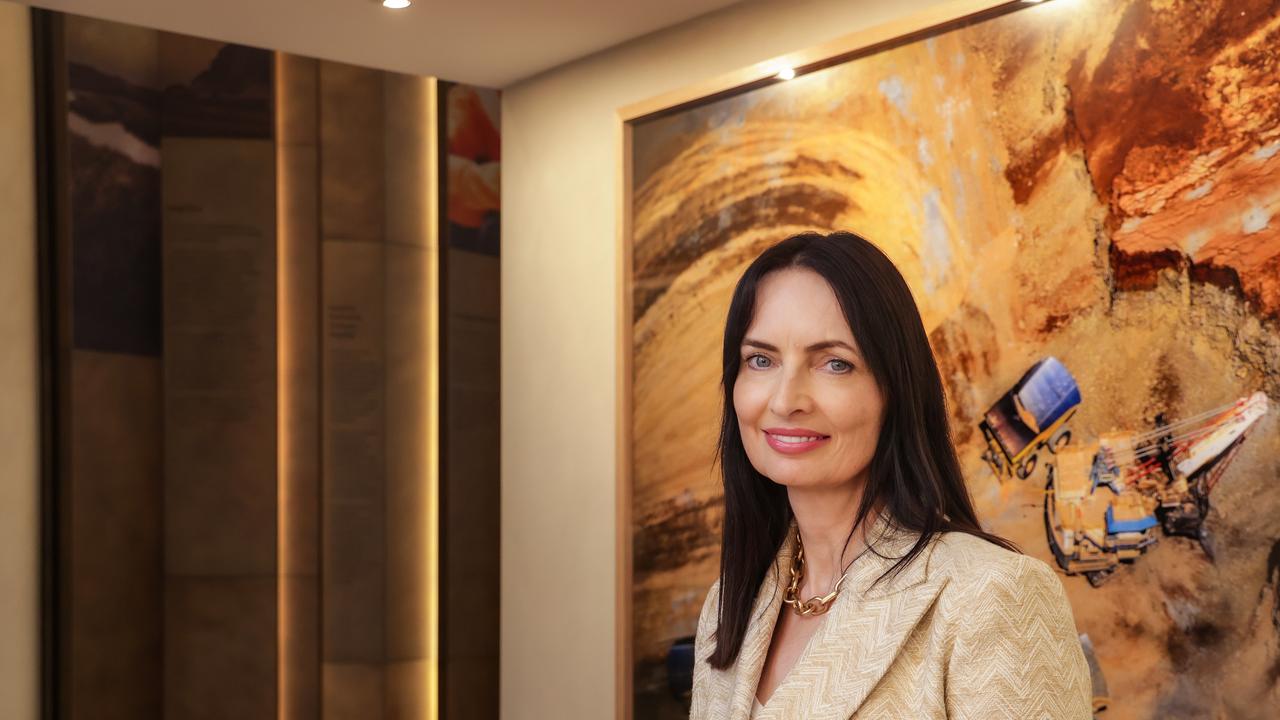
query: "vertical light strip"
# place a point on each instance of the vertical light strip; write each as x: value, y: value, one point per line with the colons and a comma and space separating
x: 432, y: 445
x: 282, y: 401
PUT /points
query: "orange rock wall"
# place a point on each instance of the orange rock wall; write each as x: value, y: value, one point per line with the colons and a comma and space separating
x: 1092, y: 180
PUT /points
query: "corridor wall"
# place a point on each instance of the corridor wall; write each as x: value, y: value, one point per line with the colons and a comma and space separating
x: 19, y: 372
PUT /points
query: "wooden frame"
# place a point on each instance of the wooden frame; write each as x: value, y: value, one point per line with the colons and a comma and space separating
x: 942, y: 17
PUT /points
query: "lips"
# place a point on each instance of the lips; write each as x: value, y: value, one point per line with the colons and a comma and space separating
x: 793, y: 441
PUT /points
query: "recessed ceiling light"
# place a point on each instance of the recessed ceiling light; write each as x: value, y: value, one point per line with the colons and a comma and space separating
x: 395, y: 4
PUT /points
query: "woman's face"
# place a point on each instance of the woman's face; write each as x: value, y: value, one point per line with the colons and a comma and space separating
x: 808, y: 407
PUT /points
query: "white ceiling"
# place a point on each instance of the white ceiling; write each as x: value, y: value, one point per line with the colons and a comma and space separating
x: 485, y: 42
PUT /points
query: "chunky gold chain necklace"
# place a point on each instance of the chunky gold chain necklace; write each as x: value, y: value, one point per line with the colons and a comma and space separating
x: 814, y: 605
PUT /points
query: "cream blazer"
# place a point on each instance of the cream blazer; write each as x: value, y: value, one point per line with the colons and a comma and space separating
x: 966, y: 630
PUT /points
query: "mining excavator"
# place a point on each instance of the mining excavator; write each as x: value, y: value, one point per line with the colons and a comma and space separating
x: 1105, y: 500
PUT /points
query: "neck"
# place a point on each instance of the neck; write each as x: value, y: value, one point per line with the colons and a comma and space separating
x: 825, y: 516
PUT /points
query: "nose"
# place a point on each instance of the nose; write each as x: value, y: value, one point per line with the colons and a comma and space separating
x: 792, y: 393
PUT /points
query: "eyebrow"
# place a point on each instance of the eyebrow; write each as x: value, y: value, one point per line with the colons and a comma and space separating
x: 825, y: 344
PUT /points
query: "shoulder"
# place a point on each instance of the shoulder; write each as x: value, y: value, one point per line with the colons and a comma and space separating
x: 978, y: 572
x: 704, y: 676
x: 1011, y: 648
x: 710, y: 610
x: 712, y: 598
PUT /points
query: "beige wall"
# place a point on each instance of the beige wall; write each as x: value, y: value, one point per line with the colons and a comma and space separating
x: 559, y: 215
x: 19, y: 470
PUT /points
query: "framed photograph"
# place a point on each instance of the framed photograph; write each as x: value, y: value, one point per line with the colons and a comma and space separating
x: 1084, y: 195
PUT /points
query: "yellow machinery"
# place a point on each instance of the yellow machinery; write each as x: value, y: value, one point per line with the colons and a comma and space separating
x: 1104, y: 501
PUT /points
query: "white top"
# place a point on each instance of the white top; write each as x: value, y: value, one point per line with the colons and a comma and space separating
x: 756, y: 709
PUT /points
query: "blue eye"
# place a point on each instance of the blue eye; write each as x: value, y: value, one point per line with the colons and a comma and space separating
x: 752, y: 357
x: 847, y: 366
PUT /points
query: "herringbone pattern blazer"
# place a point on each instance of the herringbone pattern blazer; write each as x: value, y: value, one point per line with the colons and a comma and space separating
x: 967, y: 630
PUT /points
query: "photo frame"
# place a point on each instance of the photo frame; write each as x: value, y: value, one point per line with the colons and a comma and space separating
x: 1048, y: 269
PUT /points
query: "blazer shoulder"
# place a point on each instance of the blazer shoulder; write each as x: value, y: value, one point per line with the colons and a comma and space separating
x: 710, y: 609
x: 972, y: 564
x: 991, y: 590
x: 1012, y: 647
x: 712, y: 597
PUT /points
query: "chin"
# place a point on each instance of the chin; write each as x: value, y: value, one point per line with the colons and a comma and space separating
x: 790, y: 478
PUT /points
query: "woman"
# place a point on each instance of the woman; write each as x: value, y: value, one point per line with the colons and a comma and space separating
x: 855, y: 579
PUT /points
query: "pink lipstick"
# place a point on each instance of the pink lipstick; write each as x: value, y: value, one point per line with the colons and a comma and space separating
x: 794, y: 441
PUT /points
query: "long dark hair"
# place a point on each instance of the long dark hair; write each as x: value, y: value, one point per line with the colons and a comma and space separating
x: 914, y: 477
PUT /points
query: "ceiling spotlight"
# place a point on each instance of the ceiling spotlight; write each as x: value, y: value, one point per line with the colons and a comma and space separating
x: 395, y: 4
x: 786, y: 73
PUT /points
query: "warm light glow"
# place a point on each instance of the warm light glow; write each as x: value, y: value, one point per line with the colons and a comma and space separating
x: 786, y: 74
x: 431, y: 445
x: 395, y: 4
x: 283, y: 670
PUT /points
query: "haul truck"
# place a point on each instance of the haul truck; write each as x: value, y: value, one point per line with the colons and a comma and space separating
x: 1031, y: 416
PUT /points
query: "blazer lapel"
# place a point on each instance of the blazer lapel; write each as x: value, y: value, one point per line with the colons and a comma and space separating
x: 858, y: 641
